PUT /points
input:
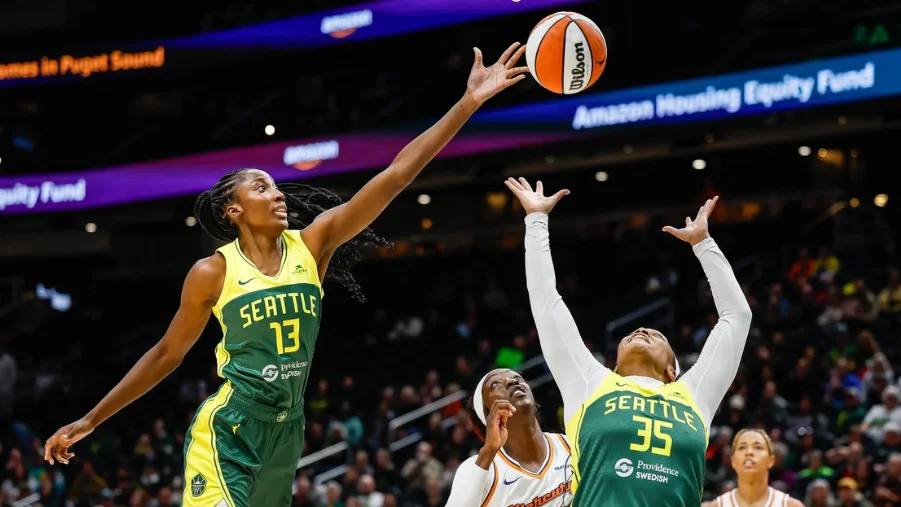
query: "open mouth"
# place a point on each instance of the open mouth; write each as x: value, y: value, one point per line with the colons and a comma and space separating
x: 282, y: 211
x: 517, y: 391
x: 640, y: 336
x: 750, y: 463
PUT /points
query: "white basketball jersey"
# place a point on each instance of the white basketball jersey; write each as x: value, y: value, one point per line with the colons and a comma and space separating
x: 513, y: 486
x: 776, y: 499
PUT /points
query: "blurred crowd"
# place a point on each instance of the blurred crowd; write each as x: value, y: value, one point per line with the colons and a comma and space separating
x: 818, y: 374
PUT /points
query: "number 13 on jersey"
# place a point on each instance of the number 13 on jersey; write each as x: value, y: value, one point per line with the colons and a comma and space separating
x: 293, y: 335
x: 653, y: 428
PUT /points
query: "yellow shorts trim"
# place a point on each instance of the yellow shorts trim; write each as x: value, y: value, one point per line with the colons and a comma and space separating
x: 202, y: 458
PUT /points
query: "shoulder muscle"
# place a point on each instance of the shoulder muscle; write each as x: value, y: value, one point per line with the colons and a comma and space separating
x: 204, y: 282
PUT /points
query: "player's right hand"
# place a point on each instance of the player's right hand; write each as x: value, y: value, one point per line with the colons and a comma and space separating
x: 57, y: 446
x: 496, y: 434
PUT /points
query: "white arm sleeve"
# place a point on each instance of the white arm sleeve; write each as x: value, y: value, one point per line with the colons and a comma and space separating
x: 471, y: 484
x: 575, y: 370
x: 710, y: 378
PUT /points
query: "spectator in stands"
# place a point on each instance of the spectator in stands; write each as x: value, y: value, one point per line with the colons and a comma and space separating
x: 890, y: 296
x: 367, y: 494
x: 385, y: 473
x: 888, y: 492
x: 879, y: 415
x: 849, y: 496
x: 8, y: 378
x: 332, y: 495
x: 819, y: 494
x: 87, y: 485
x: 803, y: 268
x: 422, y: 467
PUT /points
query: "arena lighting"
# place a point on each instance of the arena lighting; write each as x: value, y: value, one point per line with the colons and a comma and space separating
x: 90, y: 227
x: 699, y: 164
x: 233, y: 47
x: 424, y: 199
x: 426, y: 223
x: 797, y: 86
x: 855, y: 202
x: 269, y: 130
x: 190, y: 221
x: 880, y: 200
x: 822, y: 152
x: 601, y: 176
x: 804, y: 151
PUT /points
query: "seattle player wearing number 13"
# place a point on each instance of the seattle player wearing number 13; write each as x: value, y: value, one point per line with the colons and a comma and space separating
x: 638, y: 433
x: 265, y: 288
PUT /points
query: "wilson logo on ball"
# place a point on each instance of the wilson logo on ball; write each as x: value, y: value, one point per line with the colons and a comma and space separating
x: 566, y: 53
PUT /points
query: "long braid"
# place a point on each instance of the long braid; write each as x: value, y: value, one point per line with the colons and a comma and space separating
x: 304, y: 204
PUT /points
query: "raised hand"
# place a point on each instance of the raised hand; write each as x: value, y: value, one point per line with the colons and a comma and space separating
x: 534, y: 201
x: 486, y: 82
x: 57, y: 446
x: 496, y: 432
x: 695, y: 231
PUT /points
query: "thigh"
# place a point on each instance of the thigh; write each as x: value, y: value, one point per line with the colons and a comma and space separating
x: 284, y: 444
x: 220, y: 465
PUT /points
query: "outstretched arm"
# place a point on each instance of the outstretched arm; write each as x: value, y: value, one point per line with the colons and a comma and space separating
x: 575, y: 370
x: 338, y: 225
x: 200, y: 292
x: 713, y: 373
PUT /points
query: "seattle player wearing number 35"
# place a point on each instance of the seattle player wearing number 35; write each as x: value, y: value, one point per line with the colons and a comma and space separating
x: 519, y: 464
x: 638, y: 433
x: 265, y: 288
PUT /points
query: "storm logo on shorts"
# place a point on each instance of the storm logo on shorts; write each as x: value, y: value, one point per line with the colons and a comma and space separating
x: 198, y: 485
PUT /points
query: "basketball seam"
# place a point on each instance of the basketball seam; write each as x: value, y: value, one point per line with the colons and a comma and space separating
x: 538, y: 49
x: 563, y: 60
x: 590, y: 56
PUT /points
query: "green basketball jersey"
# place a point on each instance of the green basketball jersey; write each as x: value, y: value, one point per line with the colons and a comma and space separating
x: 269, y: 324
x: 635, y: 446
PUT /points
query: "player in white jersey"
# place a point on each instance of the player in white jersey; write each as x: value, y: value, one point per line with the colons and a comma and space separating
x: 519, y: 465
x: 752, y: 459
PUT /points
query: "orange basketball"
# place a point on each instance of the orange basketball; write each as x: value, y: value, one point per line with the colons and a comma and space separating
x: 566, y: 53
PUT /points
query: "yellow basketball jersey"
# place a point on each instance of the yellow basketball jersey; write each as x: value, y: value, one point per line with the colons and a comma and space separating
x: 269, y: 323
x: 636, y: 445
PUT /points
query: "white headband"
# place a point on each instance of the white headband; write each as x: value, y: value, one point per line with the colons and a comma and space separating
x: 477, y: 404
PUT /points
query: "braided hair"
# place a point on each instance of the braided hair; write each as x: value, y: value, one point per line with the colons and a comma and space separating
x: 304, y: 204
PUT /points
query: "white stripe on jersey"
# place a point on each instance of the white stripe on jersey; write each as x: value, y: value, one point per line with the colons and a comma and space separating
x: 518, y: 487
x: 776, y: 499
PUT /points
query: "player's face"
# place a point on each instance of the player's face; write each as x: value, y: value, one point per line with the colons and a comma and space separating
x: 751, y: 454
x: 510, y: 386
x: 650, y: 343
x: 259, y: 204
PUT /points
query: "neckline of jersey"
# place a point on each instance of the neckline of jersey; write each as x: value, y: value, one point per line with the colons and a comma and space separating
x: 544, y: 464
x: 644, y: 381
x: 254, y: 266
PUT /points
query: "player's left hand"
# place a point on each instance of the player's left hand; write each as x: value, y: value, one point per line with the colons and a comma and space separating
x: 695, y: 231
x: 486, y: 82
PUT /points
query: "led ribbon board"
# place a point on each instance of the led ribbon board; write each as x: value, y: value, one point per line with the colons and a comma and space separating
x: 372, y: 20
x: 833, y: 81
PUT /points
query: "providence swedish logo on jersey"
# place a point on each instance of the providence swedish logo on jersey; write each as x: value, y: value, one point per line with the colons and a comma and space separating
x: 635, y: 443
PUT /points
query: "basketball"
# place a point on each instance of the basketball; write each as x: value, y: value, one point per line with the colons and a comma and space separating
x: 566, y: 53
